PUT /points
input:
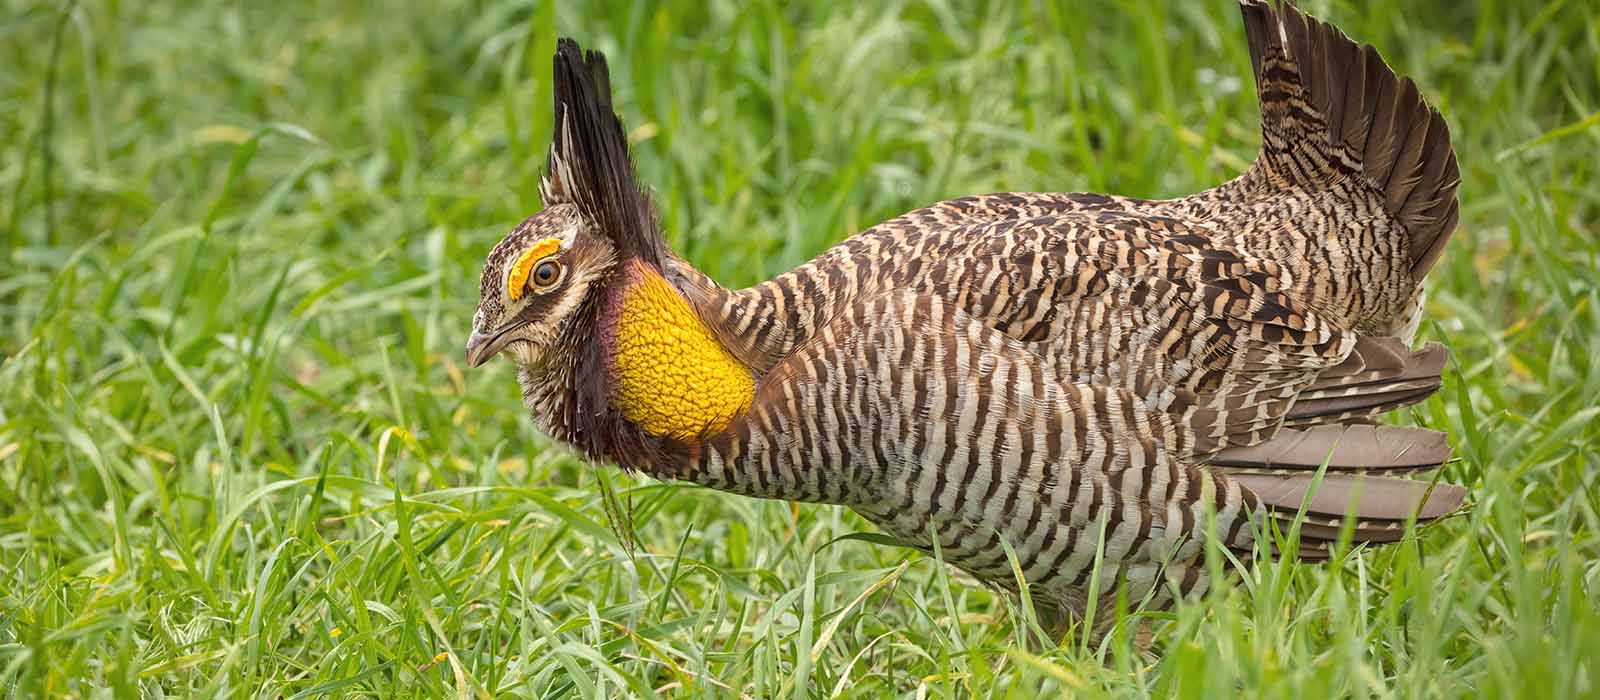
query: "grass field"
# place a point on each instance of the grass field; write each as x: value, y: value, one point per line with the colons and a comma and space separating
x: 240, y: 455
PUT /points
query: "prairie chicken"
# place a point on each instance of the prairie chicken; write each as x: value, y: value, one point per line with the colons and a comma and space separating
x: 1071, y: 374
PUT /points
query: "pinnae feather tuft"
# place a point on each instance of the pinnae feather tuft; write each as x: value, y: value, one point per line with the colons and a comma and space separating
x: 589, y: 163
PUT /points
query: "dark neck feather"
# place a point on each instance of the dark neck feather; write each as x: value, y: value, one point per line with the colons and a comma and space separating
x: 570, y: 396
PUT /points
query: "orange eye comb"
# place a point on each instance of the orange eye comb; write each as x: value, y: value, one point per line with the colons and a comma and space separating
x: 517, y: 278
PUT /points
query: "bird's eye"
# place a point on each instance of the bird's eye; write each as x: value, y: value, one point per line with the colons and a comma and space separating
x: 546, y: 273
x: 521, y: 275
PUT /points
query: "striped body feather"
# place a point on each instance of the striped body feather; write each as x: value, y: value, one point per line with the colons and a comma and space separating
x: 1038, y: 366
x: 1069, y: 374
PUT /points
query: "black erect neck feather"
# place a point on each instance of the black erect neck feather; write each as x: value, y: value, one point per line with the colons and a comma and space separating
x: 590, y: 160
x: 590, y: 167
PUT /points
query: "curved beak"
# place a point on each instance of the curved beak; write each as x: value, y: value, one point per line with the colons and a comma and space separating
x: 482, y: 346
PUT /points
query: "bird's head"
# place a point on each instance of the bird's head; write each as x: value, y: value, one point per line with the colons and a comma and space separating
x: 535, y: 284
x: 542, y: 282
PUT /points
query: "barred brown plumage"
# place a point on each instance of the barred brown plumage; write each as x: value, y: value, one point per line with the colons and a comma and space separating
x: 1071, y: 375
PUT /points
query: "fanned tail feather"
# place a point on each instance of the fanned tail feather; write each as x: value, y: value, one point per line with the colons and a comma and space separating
x: 1332, y: 110
x: 1322, y: 432
x: 1340, y: 130
x: 1357, y: 488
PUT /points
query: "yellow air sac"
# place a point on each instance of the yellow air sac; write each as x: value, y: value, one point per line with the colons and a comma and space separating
x: 673, y: 378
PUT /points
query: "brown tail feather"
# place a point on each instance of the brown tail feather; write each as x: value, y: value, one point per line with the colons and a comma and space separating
x: 1357, y: 488
x: 1380, y: 507
x: 1380, y: 375
x: 1371, y: 364
x: 1374, y: 498
x: 1313, y: 532
x: 1370, y: 355
x: 1331, y: 109
x: 1314, y: 553
x: 1317, y: 538
x: 1344, y: 448
x: 1341, y: 409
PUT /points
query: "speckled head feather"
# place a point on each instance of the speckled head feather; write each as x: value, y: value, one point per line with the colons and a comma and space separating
x: 589, y: 161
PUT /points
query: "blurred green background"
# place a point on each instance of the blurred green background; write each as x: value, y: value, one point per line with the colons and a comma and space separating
x: 240, y: 456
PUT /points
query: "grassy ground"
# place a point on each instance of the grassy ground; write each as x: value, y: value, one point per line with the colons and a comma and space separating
x: 239, y: 455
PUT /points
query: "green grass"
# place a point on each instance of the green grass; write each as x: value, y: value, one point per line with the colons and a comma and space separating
x: 240, y: 456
